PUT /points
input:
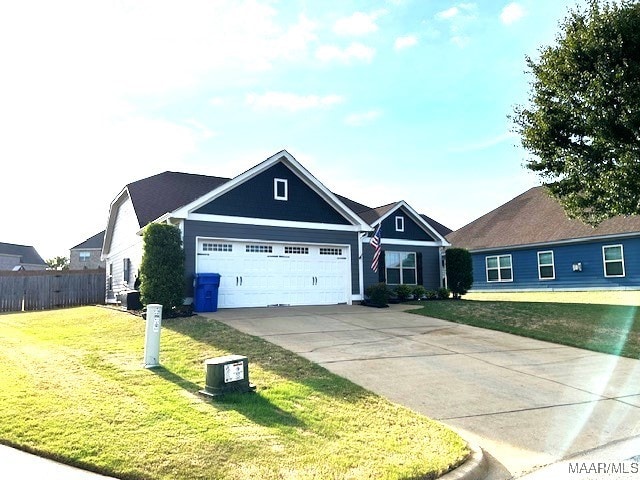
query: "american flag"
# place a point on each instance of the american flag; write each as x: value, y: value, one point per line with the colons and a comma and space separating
x: 375, y: 243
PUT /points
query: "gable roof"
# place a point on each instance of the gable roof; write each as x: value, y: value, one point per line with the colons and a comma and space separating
x: 152, y: 197
x: 287, y: 159
x: 177, y: 193
x: 93, y: 242
x: 534, y: 217
x: 27, y: 253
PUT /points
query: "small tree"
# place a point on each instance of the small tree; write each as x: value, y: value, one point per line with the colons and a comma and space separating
x: 459, y: 271
x: 162, y: 267
x: 58, y: 263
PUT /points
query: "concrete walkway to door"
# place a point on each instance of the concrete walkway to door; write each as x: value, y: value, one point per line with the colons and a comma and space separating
x: 527, y: 403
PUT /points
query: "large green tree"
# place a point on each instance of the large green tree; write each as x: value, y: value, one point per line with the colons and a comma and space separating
x: 162, y: 267
x: 583, y: 121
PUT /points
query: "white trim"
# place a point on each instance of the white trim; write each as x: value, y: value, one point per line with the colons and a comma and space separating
x: 285, y: 183
x: 361, y: 264
x: 401, y: 268
x: 486, y: 269
x: 556, y: 289
x: 598, y: 238
x: 418, y: 219
x: 297, y: 169
x: 604, y: 261
x: 553, y: 265
x: 408, y: 243
x: 399, y: 223
x: 203, y: 217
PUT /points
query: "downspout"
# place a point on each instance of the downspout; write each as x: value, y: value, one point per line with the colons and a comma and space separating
x: 361, y: 265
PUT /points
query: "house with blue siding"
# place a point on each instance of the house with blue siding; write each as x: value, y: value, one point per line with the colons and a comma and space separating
x: 530, y: 243
x: 275, y: 234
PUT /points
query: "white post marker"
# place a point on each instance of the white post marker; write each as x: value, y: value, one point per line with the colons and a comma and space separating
x: 152, y: 336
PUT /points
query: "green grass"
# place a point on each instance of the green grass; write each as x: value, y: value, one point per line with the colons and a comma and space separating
x: 611, y: 329
x: 72, y: 388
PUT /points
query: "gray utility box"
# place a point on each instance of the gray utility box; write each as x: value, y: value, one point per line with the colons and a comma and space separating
x: 228, y: 374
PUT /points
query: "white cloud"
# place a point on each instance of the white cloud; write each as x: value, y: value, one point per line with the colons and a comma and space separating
x: 512, y: 13
x: 448, y: 13
x: 358, y: 24
x: 363, y: 118
x: 405, y: 42
x: 355, y: 51
x: 291, y: 101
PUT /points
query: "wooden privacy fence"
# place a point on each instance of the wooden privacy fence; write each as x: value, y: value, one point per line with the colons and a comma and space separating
x: 41, y: 290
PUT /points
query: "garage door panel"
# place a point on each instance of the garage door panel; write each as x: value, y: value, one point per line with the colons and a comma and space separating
x: 262, y: 274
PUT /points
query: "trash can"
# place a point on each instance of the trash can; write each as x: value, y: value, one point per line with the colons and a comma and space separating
x: 206, y: 292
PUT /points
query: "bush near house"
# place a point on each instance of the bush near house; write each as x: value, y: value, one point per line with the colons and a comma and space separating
x: 459, y: 271
x: 162, y: 267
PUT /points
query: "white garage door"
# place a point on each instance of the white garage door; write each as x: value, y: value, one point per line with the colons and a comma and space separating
x: 258, y: 274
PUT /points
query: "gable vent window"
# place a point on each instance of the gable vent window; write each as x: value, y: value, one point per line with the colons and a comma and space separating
x: 331, y: 251
x: 399, y: 224
x: 259, y: 249
x: 280, y: 189
x: 296, y: 250
x: 217, y: 247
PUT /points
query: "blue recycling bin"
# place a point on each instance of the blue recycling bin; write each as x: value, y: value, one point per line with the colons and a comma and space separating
x: 206, y: 292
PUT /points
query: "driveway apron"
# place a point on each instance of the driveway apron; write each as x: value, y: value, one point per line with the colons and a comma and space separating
x: 527, y: 403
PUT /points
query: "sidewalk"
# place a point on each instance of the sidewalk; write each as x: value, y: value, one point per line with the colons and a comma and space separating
x: 18, y: 465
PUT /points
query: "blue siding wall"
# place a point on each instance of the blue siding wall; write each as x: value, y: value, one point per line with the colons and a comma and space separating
x: 430, y: 264
x: 411, y: 229
x: 255, y: 199
x: 193, y: 229
x: 589, y: 254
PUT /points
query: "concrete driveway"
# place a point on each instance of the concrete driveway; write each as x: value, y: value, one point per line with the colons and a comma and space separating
x: 527, y: 403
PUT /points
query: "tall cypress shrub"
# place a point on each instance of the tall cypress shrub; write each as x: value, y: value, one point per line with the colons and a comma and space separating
x: 162, y: 267
x: 459, y: 271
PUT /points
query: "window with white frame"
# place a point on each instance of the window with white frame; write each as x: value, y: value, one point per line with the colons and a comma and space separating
x: 296, y: 250
x: 613, y: 259
x: 217, y: 247
x: 401, y: 268
x: 84, y: 256
x: 399, y: 224
x: 280, y: 189
x: 546, y: 267
x: 499, y: 268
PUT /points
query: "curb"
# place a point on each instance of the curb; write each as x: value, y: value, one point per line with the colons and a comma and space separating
x: 474, y: 468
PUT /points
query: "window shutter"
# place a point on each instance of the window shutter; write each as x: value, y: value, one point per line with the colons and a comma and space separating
x: 420, y: 279
x: 382, y: 270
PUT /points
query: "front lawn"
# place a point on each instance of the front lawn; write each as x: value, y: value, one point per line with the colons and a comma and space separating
x: 611, y: 329
x: 72, y: 387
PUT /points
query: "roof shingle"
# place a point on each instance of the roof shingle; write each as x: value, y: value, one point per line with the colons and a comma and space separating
x: 531, y: 218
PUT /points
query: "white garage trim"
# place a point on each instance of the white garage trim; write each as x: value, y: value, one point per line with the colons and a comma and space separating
x: 259, y: 273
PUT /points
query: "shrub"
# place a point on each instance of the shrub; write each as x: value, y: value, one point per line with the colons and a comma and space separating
x: 404, y: 292
x: 459, y: 271
x: 443, y: 293
x: 431, y: 294
x: 419, y: 292
x: 162, y: 267
x: 378, y: 294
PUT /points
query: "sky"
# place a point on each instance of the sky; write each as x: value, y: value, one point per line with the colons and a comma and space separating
x: 381, y: 100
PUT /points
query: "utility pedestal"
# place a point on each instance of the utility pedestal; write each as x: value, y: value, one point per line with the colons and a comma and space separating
x: 226, y: 375
x: 152, y: 336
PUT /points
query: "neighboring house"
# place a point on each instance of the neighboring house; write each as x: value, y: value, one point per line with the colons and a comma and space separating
x: 529, y: 243
x: 86, y: 255
x: 275, y: 234
x: 20, y: 257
